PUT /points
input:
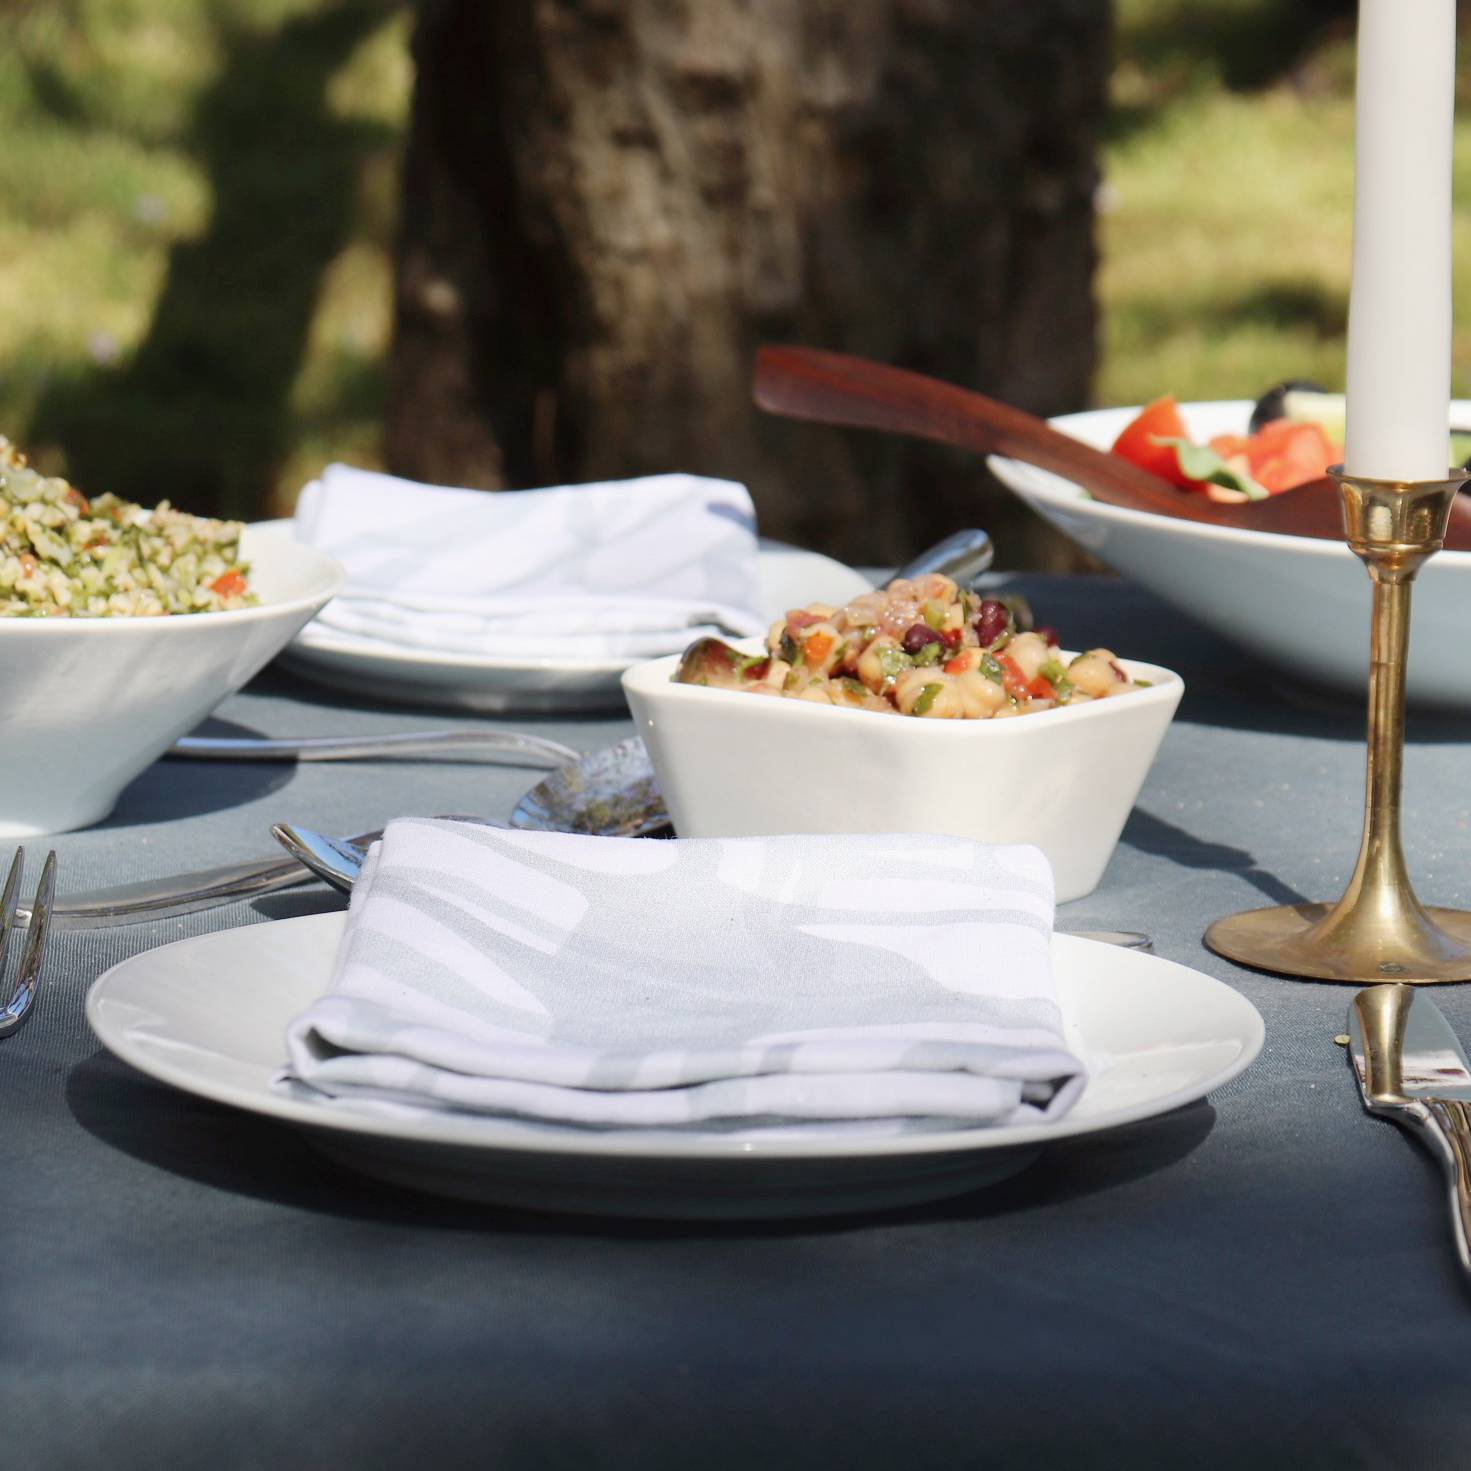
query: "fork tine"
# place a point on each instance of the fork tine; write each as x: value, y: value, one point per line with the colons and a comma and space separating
x: 28, y: 980
x: 9, y: 898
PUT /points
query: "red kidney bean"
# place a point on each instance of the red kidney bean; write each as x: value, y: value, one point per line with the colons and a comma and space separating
x: 1047, y: 634
x: 991, y: 622
x: 917, y: 635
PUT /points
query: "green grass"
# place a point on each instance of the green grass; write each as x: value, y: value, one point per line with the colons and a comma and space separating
x: 1227, y: 227
x: 197, y: 202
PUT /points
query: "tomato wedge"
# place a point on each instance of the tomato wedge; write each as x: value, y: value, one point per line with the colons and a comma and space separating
x: 1286, y: 453
x: 1139, y: 442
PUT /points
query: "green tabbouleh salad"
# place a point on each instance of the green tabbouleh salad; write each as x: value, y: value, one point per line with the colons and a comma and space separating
x: 63, y: 556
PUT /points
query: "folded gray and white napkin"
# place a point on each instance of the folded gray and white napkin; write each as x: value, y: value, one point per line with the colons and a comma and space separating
x: 632, y: 568
x: 787, y: 985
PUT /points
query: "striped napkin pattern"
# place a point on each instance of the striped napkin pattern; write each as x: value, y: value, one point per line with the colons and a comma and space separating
x: 780, y: 985
x: 632, y: 569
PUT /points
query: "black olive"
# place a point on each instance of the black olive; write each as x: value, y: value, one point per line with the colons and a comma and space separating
x: 1269, y: 405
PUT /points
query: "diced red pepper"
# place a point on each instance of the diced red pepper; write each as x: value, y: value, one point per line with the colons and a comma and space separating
x: 1014, y: 682
x: 817, y: 647
x: 228, y: 584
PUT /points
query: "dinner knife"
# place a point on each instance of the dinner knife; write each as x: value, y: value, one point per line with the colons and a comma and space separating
x: 507, y: 746
x: 1411, y: 1068
x: 180, y: 893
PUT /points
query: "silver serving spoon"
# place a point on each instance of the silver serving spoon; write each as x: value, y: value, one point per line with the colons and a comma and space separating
x: 962, y: 556
x: 340, y: 862
x: 332, y: 859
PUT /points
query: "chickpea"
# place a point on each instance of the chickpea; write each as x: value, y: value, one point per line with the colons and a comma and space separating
x: 1030, y: 652
x: 931, y: 687
x: 870, y: 667
x: 979, y: 696
x: 1094, y: 673
x: 776, y: 674
x: 844, y: 694
x: 817, y: 692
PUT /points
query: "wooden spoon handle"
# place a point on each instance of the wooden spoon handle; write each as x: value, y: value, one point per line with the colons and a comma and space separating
x: 833, y: 388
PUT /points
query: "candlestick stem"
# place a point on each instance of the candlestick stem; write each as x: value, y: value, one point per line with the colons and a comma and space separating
x: 1378, y: 930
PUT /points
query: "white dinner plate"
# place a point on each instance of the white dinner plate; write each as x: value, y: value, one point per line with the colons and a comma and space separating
x: 1299, y: 603
x: 209, y: 1015
x: 786, y: 577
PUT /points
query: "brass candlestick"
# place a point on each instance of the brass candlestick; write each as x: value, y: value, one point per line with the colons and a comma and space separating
x: 1379, y: 931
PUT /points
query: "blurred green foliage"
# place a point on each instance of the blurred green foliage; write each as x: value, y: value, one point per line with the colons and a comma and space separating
x: 1226, y: 216
x: 197, y: 201
x: 197, y: 204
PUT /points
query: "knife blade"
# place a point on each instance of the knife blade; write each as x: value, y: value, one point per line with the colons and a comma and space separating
x: 1411, y: 1068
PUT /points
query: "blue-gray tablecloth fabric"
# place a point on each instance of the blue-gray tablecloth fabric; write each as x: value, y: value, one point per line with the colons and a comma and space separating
x: 1262, y: 1280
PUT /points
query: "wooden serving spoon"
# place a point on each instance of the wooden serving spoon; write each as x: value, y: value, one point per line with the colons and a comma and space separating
x: 834, y: 388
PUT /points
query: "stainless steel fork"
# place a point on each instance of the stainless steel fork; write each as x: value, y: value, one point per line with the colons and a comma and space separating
x: 18, y: 1008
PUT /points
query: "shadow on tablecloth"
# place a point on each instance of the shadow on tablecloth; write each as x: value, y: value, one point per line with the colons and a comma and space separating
x: 233, y: 1151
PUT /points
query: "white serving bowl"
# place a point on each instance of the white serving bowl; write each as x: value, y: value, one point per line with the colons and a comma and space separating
x: 732, y: 764
x: 1300, y: 604
x: 87, y: 703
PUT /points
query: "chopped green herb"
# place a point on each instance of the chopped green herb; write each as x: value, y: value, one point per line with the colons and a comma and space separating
x: 926, y: 699
x: 1056, y: 676
x: 894, y: 661
x: 991, y: 668
x: 930, y: 654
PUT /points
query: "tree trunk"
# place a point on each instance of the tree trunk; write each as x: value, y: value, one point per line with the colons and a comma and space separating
x: 609, y: 204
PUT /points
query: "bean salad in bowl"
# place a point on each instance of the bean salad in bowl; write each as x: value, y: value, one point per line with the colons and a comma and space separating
x: 923, y: 648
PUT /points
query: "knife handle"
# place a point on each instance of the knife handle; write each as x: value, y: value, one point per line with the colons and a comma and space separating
x: 1448, y: 1125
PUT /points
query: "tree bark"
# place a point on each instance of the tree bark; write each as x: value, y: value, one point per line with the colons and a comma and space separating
x: 610, y: 203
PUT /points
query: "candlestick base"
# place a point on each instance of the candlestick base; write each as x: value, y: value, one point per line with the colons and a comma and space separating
x: 1379, y: 931
x: 1295, y: 940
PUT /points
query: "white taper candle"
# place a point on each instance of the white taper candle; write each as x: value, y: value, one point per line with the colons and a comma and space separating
x: 1399, y: 318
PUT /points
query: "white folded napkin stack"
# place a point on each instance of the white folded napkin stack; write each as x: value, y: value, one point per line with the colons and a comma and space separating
x: 783, y: 986
x: 623, y: 569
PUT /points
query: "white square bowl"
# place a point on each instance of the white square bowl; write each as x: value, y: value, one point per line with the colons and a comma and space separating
x: 735, y: 764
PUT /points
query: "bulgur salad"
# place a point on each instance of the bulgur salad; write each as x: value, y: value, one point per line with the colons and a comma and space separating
x: 922, y: 647
x: 62, y: 555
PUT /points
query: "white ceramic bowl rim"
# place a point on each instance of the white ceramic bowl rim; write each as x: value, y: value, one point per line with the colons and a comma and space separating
x: 654, y: 674
x: 1057, y: 489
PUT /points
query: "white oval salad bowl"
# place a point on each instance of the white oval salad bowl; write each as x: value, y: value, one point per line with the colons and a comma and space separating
x: 1299, y: 604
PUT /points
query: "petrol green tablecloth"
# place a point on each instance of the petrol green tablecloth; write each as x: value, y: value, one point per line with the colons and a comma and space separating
x: 1262, y: 1280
